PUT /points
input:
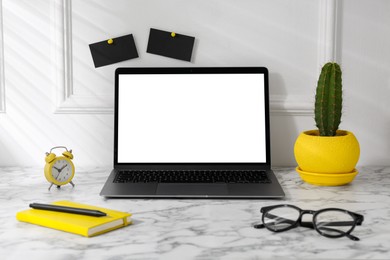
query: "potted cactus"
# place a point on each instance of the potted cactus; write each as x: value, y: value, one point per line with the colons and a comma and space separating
x: 327, y: 156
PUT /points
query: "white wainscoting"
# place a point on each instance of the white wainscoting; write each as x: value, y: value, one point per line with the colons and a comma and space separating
x: 47, y: 75
x: 69, y: 102
x: 2, y: 83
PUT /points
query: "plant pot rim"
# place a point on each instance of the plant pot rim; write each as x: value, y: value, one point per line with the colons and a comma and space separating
x: 316, y: 133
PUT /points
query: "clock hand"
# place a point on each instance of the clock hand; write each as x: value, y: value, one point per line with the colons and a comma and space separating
x: 59, y: 172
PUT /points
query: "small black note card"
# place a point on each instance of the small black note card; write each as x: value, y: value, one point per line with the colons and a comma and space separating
x: 113, y: 50
x: 170, y: 44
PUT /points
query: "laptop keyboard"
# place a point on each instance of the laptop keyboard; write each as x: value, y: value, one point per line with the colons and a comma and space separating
x: 192, y: 177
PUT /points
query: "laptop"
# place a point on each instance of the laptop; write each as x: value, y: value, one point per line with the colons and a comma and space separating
x: 192, y: 133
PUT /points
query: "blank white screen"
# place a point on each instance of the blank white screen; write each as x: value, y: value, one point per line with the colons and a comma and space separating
x: 198, y: 118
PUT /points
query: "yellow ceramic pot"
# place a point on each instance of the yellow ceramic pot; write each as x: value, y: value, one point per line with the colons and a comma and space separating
x: 327, y: 154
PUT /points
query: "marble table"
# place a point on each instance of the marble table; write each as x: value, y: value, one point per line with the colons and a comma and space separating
x: 195, y: 229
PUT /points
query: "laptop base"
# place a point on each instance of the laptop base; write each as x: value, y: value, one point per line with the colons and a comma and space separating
x: 193, y: 190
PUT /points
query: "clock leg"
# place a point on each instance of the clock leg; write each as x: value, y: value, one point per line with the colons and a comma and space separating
x: 50, y: 186
x: 72, y: 183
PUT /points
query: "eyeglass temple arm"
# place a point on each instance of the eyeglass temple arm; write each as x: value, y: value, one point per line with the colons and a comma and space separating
x: 279, y: 219
x: 337, y: 224
x: 352, y: 237
x: 322, y: 225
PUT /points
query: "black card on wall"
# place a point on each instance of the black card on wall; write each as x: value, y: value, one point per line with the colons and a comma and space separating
x: 113, y: 50
x: 168, y: 44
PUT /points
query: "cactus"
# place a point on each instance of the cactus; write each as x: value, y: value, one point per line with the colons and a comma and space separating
x: 328, y: 100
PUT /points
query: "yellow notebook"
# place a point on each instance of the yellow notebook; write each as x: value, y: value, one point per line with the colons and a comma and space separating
x: 74, y: 223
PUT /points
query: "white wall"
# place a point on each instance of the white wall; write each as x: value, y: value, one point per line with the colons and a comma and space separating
x: 51, y: 94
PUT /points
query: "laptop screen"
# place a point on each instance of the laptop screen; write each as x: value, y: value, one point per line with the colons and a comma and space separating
x: 191, y: 115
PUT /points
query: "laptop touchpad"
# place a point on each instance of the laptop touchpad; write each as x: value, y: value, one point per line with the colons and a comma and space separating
x: 191, y: 189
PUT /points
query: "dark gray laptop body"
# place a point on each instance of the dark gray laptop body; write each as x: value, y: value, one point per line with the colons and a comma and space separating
x: 197, y: 160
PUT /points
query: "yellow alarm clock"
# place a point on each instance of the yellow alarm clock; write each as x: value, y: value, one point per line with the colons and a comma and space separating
x: 59, y: 170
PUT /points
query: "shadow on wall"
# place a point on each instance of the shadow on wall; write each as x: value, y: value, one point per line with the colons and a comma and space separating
x: 282, y: 126
x: 277, y: 86
x: 287, y: 121
x: 284, y: 132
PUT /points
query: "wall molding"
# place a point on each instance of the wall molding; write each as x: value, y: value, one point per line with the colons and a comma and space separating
x: 69, y: 102
x: 280, y: 106
x: 328, y: 31
x: 2, y: 80
x: 328, y: 50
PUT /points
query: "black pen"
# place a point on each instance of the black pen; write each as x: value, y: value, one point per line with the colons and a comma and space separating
x: 80, y: 211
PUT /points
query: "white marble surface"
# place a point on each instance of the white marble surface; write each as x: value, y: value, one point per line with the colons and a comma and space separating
x: 195, y: 229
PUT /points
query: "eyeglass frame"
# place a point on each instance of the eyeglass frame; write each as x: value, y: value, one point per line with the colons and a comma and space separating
x: 357, y: 220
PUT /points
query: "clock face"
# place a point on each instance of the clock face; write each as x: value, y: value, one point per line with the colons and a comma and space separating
x: 62, y: 170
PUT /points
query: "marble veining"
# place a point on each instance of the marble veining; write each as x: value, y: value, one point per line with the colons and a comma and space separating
x: 195, y: 229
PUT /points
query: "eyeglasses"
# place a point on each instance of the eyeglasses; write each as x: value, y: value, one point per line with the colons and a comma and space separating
x: 330, y: 222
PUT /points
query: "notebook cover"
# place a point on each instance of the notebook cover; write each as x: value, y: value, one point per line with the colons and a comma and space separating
x: 75, y: 223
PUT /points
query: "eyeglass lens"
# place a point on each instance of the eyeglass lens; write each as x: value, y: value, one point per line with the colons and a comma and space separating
x: 332, y: 223
x: 279, y: 219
